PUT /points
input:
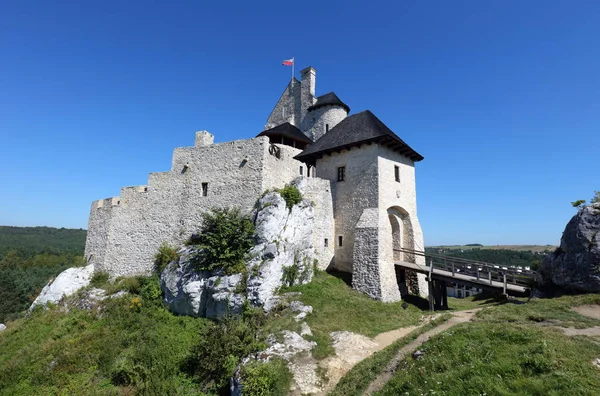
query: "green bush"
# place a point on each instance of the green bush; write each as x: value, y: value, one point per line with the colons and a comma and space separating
x: 221, y: 347
x: 165, y: 255
x: 225, y: 238
x: 99, y: 279
x: 266, y: 379
x: 291, y: 195
x: 290, y: 275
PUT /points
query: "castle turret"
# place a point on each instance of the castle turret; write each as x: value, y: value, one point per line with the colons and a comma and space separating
x: 327, y: 111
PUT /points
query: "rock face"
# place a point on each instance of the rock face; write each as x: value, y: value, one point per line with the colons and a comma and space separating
x: 284, y: 252
x: 65, y: 284
x: 575, y: 265
x: 199, y: 293
x: 2, y: 327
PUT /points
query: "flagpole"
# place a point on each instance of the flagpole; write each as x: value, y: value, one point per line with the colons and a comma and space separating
x: 293, y: 65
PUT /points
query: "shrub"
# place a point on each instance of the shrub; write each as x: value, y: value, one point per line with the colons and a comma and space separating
x: 165, y: 255
x: 99, y: 279
x: 579, y: 203
x: 290, y: 274
x: 221, y: 347
x: 266, y: 379
x: 291, y: 195
x: 225, y: 238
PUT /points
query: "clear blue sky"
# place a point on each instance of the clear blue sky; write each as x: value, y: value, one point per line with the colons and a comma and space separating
x: 501, y: 97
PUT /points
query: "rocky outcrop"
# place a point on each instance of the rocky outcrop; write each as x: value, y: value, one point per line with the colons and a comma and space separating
x: 283, y: 253
x: 575, y: 265
x: 208, y: 294
x: 66, y: 284
x: 2, y: 327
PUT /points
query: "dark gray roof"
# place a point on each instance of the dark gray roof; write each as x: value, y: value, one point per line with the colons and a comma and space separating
x: 329, y: 99
x: 286, y: 130
x: 354, y: 130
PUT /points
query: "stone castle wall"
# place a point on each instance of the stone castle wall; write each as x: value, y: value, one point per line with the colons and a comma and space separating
x: 316, y: 121
x: 125, y: 232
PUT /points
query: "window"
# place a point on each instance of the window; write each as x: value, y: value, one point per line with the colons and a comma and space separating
x: 326, y: 128
x: 204, y: 189
x: 301, y: 170
x: 307, y: 171
x: 341, y: 173
x: 326, y: 242
x: 397, y: 173
x: 340, y: 240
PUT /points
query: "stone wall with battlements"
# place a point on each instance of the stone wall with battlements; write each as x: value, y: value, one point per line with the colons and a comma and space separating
x: 125, y: 232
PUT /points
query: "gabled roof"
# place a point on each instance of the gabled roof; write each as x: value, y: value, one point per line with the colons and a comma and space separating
x: 330, y: 99
x: 286, y: 130
x: 352, y: 131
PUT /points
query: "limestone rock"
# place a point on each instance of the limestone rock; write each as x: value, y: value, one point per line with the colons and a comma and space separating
x: 284, y: 245
x: 575, y: 265
x: 2, y: 327
x: 199, y: 293
x: 284, y: 249
x: 66, y: 284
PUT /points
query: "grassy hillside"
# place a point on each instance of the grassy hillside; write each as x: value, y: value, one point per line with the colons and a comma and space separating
x: 510, y: 349
x: 29, y: 257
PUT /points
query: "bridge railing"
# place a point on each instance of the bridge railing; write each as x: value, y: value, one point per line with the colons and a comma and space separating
x: 482, y: 271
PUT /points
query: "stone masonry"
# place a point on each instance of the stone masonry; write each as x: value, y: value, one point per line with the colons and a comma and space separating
x: 358, y: 221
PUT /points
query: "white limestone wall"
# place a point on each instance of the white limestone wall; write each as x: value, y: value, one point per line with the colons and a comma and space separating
x: 350, y: 197
x: 124, y: 239
x: 288, y: 107
x: 403, y: 197
x: 315, y: 122
x: 319, y: 192
x: 280, y: 171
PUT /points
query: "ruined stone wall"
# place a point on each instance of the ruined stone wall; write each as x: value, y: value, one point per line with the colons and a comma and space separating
x: 350, y: 197
x: 123, y: 240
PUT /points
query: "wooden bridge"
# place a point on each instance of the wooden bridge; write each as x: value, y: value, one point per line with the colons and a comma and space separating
x: 441, y: 270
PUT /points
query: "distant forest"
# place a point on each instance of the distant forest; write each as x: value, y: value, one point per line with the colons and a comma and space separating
x: 29, y: 257
x: 494, y: 256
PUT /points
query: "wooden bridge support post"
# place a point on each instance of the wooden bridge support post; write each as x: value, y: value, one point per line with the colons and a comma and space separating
x: 431, y: 297
x: 504, y: 286
x: 444, y: 295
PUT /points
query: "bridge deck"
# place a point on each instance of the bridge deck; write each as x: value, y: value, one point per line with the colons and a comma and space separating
x: 457, y: 277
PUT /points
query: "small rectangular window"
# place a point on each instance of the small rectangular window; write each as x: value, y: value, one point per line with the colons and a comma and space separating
x: 341, y: 173
x: 307, y: 171
x: 301, y: 170
x: 204, y: 189
x: 397, y: 173
x: 326, y: 128
x: 326, y: 242
x: 340, y: 240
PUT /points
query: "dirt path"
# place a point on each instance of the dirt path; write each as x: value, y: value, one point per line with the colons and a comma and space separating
x: 591, y: 311
x: 388, y: 372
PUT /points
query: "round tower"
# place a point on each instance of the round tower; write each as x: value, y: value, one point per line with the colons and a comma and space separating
x: 322, y: 116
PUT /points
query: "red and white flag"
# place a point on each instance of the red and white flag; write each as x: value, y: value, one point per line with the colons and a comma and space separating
x: 288, y: 62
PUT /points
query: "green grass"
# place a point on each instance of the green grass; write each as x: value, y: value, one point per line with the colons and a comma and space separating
x: 510, y: 349
x: 337, y: 307
x: 548, y: 311
x: 486, y: 358
x: 119, y: 350
x: 472, y: 302
x: 357, y: 380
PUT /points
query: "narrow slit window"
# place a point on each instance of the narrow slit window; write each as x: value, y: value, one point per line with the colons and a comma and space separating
x: 397, y: 173
x: 326, y: 242
x: 204, y: 189
x: 326, y: 128
x: 307, y: 171
x: 340, y: 241
x: 301, y: 170
x: 341, y: 173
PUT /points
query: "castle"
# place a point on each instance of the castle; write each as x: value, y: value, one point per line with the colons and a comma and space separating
x: 359, y: 174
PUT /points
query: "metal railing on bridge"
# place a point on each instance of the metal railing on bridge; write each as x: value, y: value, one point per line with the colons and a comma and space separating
x: 479, y: 270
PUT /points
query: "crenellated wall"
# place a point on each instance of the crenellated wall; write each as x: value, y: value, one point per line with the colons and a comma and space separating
x: 125, y: 232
